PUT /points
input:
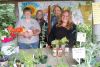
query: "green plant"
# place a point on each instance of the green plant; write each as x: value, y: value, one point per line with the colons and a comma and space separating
x: 86, y: 28
x: 3, y: 60
x: 24, y: 57
x: 1, y: 54
x: 97, y: 64
x: 62, y: 65
x: 57, y: 43
x: 91, y: 52
x: 39, y: 56
x: 90, y: 47
x: 43, y: 34
x: 3, y: 57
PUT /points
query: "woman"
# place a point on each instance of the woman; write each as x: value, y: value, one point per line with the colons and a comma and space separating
x: 57, y: 10
x: 64, y: 28
x: 30, y: 37
x: 43, y: 25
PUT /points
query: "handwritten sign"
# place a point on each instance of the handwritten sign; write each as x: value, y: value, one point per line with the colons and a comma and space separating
x: 78, y: 52
x: 81, y: 37
x: 8, y: 50
x: 96, y: 13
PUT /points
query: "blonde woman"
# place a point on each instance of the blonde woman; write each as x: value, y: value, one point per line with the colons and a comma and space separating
x: 64, y: 28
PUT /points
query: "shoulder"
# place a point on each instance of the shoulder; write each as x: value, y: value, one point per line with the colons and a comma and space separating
x: 20, y: 21
x: 34, y: 21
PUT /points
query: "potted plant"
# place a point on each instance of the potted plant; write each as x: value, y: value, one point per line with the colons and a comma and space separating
x: 22, y: 58
x: 18, y: 63
x: 43, y: 59
x: 59, y: 46
x: 3, y: 60
x: 40, y: 57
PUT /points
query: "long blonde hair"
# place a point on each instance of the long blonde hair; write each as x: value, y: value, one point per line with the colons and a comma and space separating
x: 69, y: 24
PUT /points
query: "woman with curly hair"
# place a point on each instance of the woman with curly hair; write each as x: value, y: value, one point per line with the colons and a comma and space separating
x: 64, y: 28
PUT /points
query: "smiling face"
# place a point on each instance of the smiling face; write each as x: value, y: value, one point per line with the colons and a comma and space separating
x: 65, y: 17
x: 27, y: 14
x: 57, y: 11
x: 39, y: 15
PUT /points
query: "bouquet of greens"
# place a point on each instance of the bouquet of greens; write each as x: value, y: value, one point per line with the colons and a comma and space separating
x: 57, y: 43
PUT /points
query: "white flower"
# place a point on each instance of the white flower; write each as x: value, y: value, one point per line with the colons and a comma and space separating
x: 6, y: 30
x: 2, y: 37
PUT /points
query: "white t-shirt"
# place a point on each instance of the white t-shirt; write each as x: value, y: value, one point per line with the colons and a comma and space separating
x: 28, y: 26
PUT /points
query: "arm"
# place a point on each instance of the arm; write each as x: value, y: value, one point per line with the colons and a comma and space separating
x: 36, y: 32
x: 19, y: 24
x: 35, y: 29
x: 72, y: 38
x: 52, y: 36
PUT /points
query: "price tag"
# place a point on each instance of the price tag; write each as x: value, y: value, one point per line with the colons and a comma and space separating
x: 33, y: 56
x: 78, y: 53
x: 81, y: 37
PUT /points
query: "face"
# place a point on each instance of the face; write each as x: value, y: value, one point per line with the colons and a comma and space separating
x: 57, y: 11
x: 65, y: 17
x: 39, y: 15
x: 27, y: 14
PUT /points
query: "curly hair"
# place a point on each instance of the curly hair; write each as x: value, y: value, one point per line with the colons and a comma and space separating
x: 69, y: 24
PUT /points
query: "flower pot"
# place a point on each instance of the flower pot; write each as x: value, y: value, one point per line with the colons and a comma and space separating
x: 19, y: 64
x: 4, y: 61
x: 63, y: 47
x: 60, y: 52
x: 44, y: 59
x: 66, y: 50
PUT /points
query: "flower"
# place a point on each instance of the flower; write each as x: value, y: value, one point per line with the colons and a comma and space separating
x: 13, y: 35
x: 8, y: 34
x: 9, y: 28
x: 7, y: 39
x: 19, y: 30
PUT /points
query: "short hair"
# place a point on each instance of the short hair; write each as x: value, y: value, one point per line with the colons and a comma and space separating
x: 27, y: 9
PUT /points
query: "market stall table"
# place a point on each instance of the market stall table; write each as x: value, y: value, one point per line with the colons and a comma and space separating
x: 53, y: 61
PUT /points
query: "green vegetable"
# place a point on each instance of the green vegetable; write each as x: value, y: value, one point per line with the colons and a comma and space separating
x: 60, y: 42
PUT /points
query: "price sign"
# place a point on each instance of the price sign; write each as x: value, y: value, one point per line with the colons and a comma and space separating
x: 78, y: 53
x: 81, y: 37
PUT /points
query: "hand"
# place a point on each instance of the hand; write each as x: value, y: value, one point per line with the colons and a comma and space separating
x: 36, y: 32
x: 25, y: 35
x: 30, y: 33
x: 49, y: 47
